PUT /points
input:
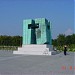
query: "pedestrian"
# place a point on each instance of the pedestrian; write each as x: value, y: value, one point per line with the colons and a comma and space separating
x: 65, y: 49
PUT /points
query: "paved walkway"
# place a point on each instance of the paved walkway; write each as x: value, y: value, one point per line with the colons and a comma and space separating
x: 37, y: 65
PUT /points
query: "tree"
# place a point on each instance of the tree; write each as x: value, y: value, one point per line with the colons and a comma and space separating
x: 54, y: 42
x: 10, y: 40
x: 61, y: 39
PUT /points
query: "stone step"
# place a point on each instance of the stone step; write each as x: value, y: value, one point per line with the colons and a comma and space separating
x: 35, y: 53
x: 35, y: 50
x: 37, y: 46
x: 32, y: 49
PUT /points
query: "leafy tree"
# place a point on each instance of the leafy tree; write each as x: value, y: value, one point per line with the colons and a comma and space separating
x: 10, y: 40
x: 54, y: 42
x: 61, y: 39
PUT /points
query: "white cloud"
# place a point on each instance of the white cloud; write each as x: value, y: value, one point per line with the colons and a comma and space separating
x: 68, y: 32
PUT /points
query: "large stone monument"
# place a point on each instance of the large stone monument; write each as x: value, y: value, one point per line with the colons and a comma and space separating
x: 36, y: 38
x: 36, y: 31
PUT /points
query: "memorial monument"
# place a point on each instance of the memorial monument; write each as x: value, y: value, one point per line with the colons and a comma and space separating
x: 36, y: 38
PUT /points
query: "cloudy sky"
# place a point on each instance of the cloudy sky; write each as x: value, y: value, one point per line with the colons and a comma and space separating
x: 59, y: 12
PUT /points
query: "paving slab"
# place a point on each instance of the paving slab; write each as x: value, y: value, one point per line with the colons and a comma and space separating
x: 37, y: 64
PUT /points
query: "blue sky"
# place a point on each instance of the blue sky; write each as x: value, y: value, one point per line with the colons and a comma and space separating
x: 59, y: 12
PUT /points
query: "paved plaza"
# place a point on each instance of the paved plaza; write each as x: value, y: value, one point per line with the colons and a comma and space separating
x: 36, y: 65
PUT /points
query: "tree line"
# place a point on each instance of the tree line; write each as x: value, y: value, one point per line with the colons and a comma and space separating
x: 10, y: 40
x: 64, y: 40
x: 17, y: 40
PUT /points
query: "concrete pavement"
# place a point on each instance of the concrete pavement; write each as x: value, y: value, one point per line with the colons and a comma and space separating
x: 37, y: 65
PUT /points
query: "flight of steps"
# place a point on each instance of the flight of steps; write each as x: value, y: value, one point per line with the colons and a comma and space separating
x: 35, y: 50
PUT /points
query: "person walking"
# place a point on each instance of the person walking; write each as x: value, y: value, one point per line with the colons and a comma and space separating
x: 65, y: 49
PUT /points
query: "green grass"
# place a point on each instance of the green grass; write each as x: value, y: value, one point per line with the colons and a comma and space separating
x: 71, y: 48
x: 8, y: 47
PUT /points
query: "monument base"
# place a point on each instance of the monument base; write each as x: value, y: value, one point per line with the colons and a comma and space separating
x: 36, y: 50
